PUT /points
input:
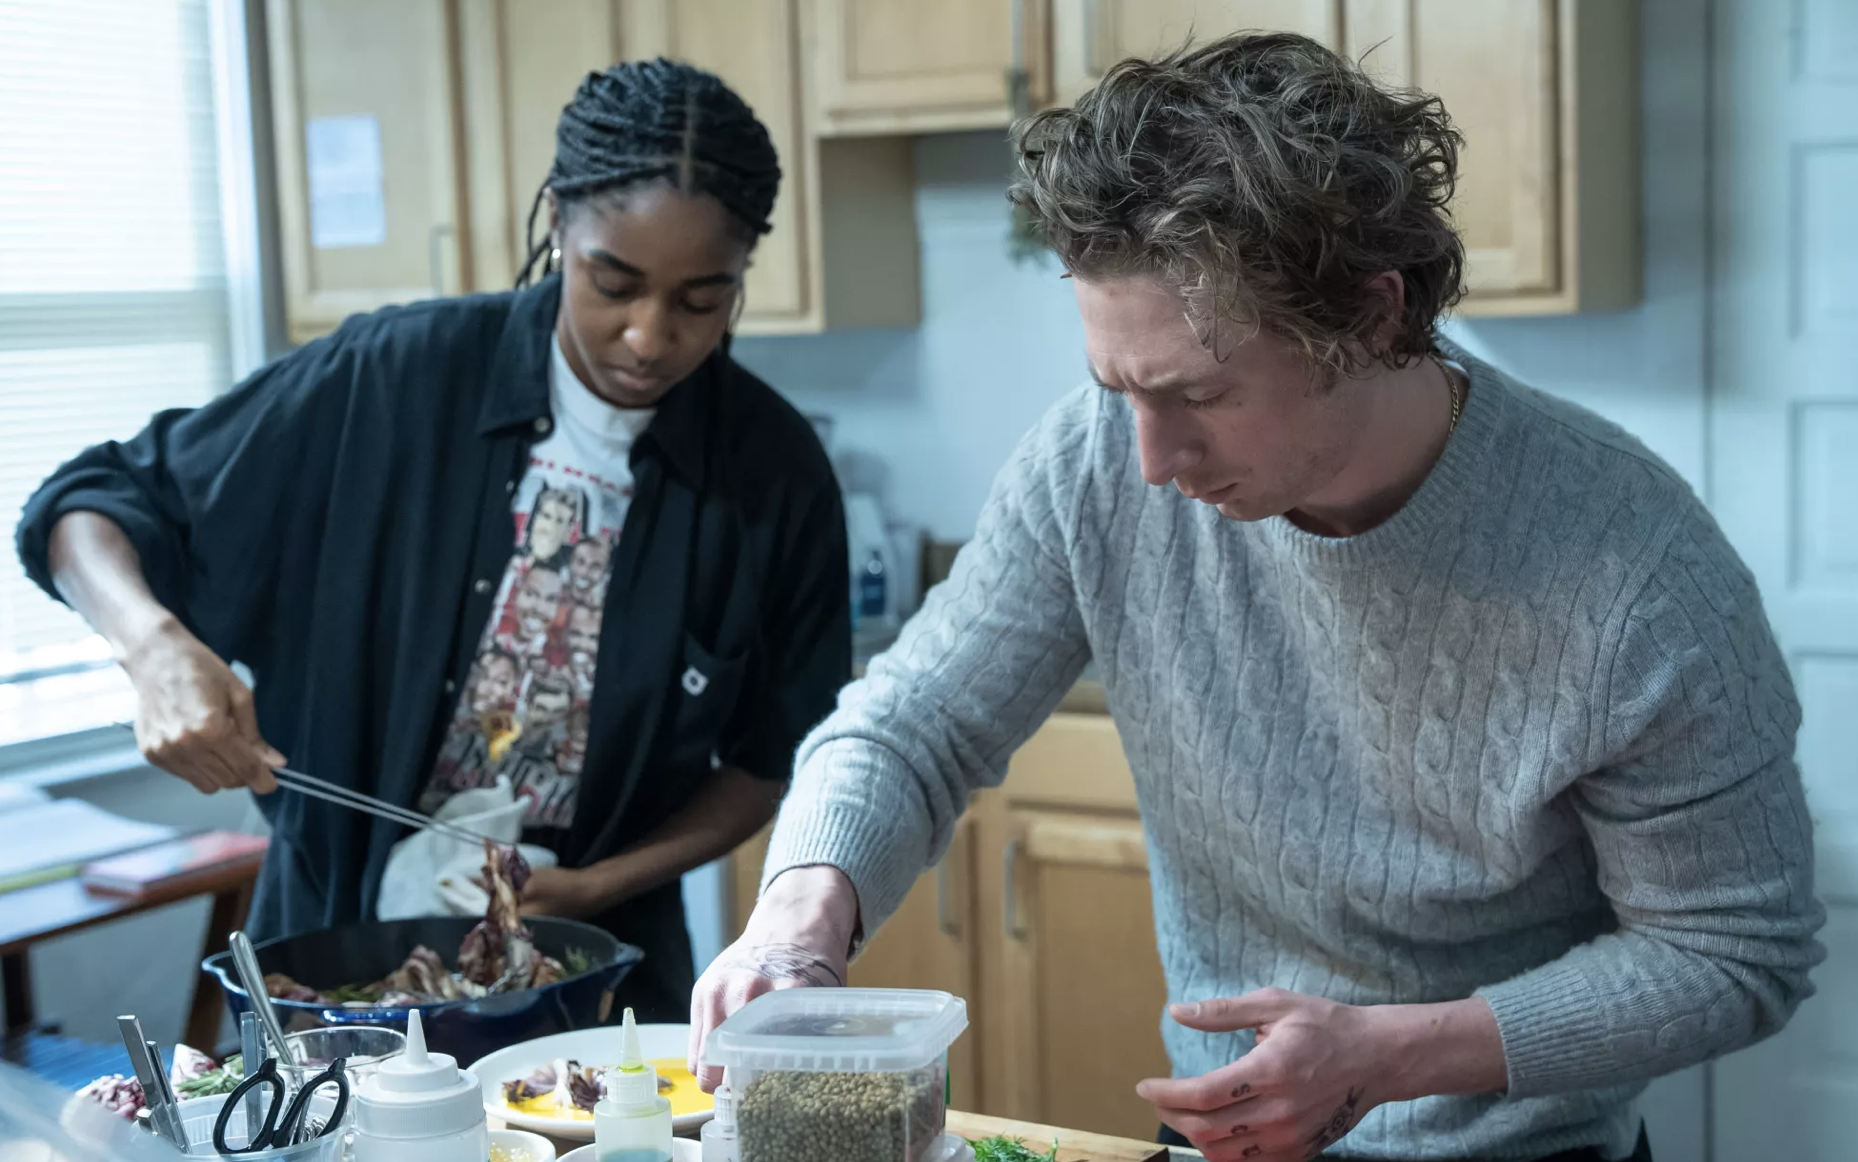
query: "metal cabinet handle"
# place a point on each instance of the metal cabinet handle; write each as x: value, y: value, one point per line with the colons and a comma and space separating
x: 1018, y: 80
x: 1091, y: 67
x: 1010, y: 890
x: 1018, y: 17
x: 435, y: 255
x: 944, y: 908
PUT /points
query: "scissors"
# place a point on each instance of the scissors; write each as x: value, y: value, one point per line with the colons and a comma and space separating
x: 278, y: 1131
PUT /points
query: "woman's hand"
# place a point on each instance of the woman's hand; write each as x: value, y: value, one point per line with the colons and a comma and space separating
x: 799, y: 935
x: 573, y: 893
x: 194, y: 717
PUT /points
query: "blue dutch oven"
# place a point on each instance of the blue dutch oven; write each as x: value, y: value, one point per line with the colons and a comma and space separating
x: 466, y: 1029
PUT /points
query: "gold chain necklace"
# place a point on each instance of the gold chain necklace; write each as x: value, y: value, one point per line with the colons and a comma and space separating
x: 1451, y: 384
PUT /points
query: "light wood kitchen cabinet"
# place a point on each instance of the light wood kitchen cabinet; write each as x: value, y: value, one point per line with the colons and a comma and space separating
x: 1544, y: 91
x: 1072, y: 980
x: 370, y: 175
x: 1546, y: 95
x: 1088, y: 36
x: 902, y: 66
x: 522, y: 63
x: 467, y: 93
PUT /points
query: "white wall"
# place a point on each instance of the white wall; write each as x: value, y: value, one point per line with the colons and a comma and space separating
x: 929, y: 414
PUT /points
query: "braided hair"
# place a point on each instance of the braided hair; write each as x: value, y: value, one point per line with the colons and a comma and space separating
x: 658, y: 120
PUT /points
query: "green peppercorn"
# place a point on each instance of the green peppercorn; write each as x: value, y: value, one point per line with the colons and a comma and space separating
x: 791, y: 1116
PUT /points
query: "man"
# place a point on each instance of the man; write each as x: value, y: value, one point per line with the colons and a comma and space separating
x: 583, y: 645
x: 1463, y: 749
x: 534, y: 611
x: 551, y: 526
x: 587, y: 571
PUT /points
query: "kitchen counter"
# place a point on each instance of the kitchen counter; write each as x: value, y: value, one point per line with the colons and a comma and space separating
x: 1073, y: 1145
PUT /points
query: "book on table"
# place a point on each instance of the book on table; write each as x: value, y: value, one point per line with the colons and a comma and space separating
x: 165, y: 864
x: 42, y: 838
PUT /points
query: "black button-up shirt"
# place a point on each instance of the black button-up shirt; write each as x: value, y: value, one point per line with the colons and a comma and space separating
x: 339, y: 522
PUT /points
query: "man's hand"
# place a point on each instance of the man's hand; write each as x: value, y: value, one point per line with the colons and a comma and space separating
x: 194, y: 717
x: 1313, y: 1075
x: 571, y: 893
x: 799, y: 936
x: 1319, y: 1067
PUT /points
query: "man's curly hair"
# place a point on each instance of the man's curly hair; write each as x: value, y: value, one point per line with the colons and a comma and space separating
x: 1265, y: 177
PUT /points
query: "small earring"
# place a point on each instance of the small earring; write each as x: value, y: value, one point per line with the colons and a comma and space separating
x: 554, y: 258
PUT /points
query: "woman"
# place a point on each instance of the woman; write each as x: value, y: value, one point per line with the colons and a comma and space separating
x: 383, y: 526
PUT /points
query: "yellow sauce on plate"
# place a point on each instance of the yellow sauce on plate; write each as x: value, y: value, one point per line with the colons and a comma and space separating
x: 684, y: 1095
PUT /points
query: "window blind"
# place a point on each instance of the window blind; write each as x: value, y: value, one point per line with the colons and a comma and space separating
x: 113, y: 300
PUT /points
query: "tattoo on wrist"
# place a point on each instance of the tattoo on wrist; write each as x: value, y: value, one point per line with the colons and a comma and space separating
x: 788, y: 962
x: 1340, y: 1122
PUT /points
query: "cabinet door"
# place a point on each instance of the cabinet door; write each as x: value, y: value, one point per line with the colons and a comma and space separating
x: 753, y: 46
x: 927, y: 945
x: 526, y: 60
x: 522, y: 64
x: 903, y: 66
x: 1088, y: 36
x: 1081, y: 988
x: 370, y: 185
x: 1495, y: 67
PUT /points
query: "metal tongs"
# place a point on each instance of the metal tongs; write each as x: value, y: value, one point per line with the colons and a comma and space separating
x: 314, y: 788
x: 355, y: 800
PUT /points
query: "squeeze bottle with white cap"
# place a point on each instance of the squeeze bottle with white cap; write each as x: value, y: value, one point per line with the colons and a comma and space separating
x: 420, y: 1107
x: 632, y: 1123
x: 718, y: 1134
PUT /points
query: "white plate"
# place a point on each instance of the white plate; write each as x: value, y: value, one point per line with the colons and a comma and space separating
x: 589, y: 1047
x: 682, y: 1150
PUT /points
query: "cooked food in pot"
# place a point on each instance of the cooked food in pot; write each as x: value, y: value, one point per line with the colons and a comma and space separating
x: 497, y: 956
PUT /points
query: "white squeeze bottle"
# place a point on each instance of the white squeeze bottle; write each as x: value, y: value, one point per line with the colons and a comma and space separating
x: 632, y: 1123
x: 420, y: 1107
x: 718, y: 1134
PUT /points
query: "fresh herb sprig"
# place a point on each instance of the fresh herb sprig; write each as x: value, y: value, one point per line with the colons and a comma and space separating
x: 999, y: 1149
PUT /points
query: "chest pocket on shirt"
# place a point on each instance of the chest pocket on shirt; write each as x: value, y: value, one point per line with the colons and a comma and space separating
x: 705, y: 697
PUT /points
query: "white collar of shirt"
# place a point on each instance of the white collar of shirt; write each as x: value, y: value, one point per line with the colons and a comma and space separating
x: 575, y: 403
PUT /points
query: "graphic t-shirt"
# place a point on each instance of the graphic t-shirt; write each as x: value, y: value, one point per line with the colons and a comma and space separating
x: 523, y: 712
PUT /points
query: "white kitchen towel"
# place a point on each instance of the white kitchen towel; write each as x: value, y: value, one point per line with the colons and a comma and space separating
x: 429, y: 874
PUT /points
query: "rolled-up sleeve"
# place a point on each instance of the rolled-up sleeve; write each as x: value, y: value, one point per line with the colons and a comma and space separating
x: 203, y: 493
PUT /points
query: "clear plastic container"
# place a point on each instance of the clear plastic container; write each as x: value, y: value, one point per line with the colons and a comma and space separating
x: 362, y: 1047
x: 198, y: 1116
x: 855, y: 1075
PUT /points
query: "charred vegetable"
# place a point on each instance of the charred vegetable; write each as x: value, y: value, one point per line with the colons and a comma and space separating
x: 497, y: 956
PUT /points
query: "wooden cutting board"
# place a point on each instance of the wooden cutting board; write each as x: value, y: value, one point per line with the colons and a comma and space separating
x: 1073, y: 1145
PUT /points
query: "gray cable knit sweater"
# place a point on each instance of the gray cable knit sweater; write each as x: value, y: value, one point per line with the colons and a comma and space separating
x: 1530, y: 739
